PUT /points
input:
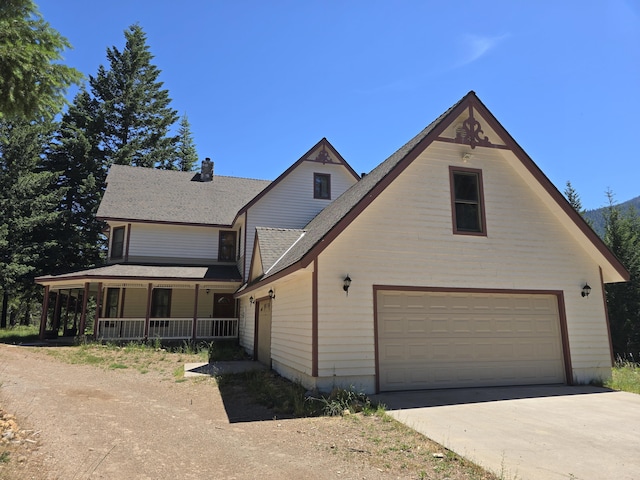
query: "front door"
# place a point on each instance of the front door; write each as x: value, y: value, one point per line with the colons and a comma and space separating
x: 224, y: 306
x: 264, y: 332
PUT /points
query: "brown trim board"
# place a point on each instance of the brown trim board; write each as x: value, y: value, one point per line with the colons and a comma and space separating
x: 559, y: 294
x: 314, y: 320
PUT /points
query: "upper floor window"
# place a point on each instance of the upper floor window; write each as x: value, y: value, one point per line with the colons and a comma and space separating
x: 227, y: 246
x: 117, y: 242
x: 322, y: 185
x: 467, y: 201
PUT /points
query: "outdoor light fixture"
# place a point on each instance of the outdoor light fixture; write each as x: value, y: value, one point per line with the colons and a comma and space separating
x: 346, y: 284
x: 208, y: 290
x: 251, y: 300
x: 272, y: 294
x: 586, y: 290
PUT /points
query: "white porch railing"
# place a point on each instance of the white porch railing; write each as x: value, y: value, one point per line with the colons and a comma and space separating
x: 167, y: 328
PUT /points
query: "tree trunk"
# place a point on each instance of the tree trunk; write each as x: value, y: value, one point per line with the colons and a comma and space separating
x: 5, y: 306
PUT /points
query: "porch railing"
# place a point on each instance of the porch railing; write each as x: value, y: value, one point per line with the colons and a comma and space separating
x: 167, y: 328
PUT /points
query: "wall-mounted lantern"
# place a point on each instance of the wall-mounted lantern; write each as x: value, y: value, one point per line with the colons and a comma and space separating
x: 272, y: 294
x: 346, y: 284
x: 586, y: 290
x: 251, y: 300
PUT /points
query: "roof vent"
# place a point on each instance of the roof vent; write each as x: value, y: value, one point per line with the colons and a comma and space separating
x: 206, y: 175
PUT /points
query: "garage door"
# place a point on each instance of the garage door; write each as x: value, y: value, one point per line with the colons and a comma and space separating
x: 461, y: 339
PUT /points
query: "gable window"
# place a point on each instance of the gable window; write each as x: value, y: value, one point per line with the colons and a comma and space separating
x: 467, y: 201
x: 161, y: 303
x: 117, y: 243
x: 322, y: 186
x: 227, y: 246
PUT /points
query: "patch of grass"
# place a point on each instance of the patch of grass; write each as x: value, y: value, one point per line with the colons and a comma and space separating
x: 19, y: 334
x: 625, y: 377
x: 140, y: 356
x: 225, y: 350
x: 4, y: 457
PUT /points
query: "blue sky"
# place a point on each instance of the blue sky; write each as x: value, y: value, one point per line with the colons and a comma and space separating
x: 262, y: 81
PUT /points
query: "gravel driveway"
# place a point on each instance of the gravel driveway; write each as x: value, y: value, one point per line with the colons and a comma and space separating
x: 120, y: 424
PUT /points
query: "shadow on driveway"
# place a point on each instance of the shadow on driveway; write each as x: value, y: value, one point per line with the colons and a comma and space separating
x: 461, y: 396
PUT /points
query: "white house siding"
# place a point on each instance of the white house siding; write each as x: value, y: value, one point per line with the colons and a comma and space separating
x: 290, y: 204
x: 135, y: 303
x: 291, y: 338
x: 153, y: 242
x: 405, y: 238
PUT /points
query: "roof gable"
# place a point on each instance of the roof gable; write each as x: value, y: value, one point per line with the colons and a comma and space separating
x: 460, y: 124
x: 322, y: 152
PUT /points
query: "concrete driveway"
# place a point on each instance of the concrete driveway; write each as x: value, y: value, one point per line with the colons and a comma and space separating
x: 530, y: 433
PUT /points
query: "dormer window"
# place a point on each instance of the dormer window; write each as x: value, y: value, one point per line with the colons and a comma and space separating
x: 322, y: 186
x: 467, y: 201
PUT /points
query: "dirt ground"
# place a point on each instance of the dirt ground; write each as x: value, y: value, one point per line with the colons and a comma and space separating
x: 83, y: 422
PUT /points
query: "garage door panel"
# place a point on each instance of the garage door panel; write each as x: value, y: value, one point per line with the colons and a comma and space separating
x: 468, y: 339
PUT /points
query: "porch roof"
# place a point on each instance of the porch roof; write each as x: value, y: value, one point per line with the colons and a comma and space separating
x: 213, y: 273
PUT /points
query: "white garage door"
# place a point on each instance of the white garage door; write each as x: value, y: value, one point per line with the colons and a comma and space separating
x: 455, y: 339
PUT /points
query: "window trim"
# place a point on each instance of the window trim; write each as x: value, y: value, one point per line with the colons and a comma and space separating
x: 481, y: 202
x: 316, y: 193
x: 232, y: 256
x: 120, y: 255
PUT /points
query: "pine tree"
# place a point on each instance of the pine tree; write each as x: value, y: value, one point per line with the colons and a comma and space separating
x: 76, y: 156
x: 134, y: 108
x: 187, y: 155
x: 622, y: 236
x: 31, y: 84
x: 27, y: 208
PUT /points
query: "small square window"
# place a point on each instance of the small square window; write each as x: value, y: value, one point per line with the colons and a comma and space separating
x: 322, y: 186
x: 467, y: 201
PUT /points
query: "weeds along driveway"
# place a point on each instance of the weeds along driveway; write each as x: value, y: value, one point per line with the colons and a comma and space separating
x: 530, y: 433
x: 121, y: 424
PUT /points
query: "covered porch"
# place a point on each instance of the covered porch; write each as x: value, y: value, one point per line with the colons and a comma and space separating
x: 137, y: 302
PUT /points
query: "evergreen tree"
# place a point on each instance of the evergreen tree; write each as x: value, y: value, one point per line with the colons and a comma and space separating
x: 31, y: 84
x: 76, y: 157
x: 27, y: 208
x: 134, y: 109
x: 187, y: 155
x: 573, y: 198
x: 622, y: 236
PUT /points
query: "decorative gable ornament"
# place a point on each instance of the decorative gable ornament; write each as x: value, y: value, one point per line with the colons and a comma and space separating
x: 470, y: 132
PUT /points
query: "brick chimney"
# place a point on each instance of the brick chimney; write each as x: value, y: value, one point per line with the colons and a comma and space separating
x: 206, y: 175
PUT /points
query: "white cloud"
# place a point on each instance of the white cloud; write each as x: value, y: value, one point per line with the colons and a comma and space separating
x: 476, y: 46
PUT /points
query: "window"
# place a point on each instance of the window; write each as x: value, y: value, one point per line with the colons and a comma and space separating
x: 322, y: 186
x: 117, y: 243
x: 161, y: 303
x: 227, y: 246
x: 111, y: 304
x: 467, y: 201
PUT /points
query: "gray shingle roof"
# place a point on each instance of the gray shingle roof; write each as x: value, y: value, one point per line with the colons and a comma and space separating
x: 274, y: 242
x: 147, y: 194
x: 328, y: 218
x: 216, y: 272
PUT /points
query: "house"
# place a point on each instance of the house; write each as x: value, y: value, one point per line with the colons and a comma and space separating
x: 454, y: 263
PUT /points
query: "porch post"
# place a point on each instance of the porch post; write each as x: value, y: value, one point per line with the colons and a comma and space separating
x: 56, y: 312
x: 66, y: 313
x: 146, y: 320
x: 83, y: 315
x: 98, y: 310
x: 45, y: 308
x: 195, y: 312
